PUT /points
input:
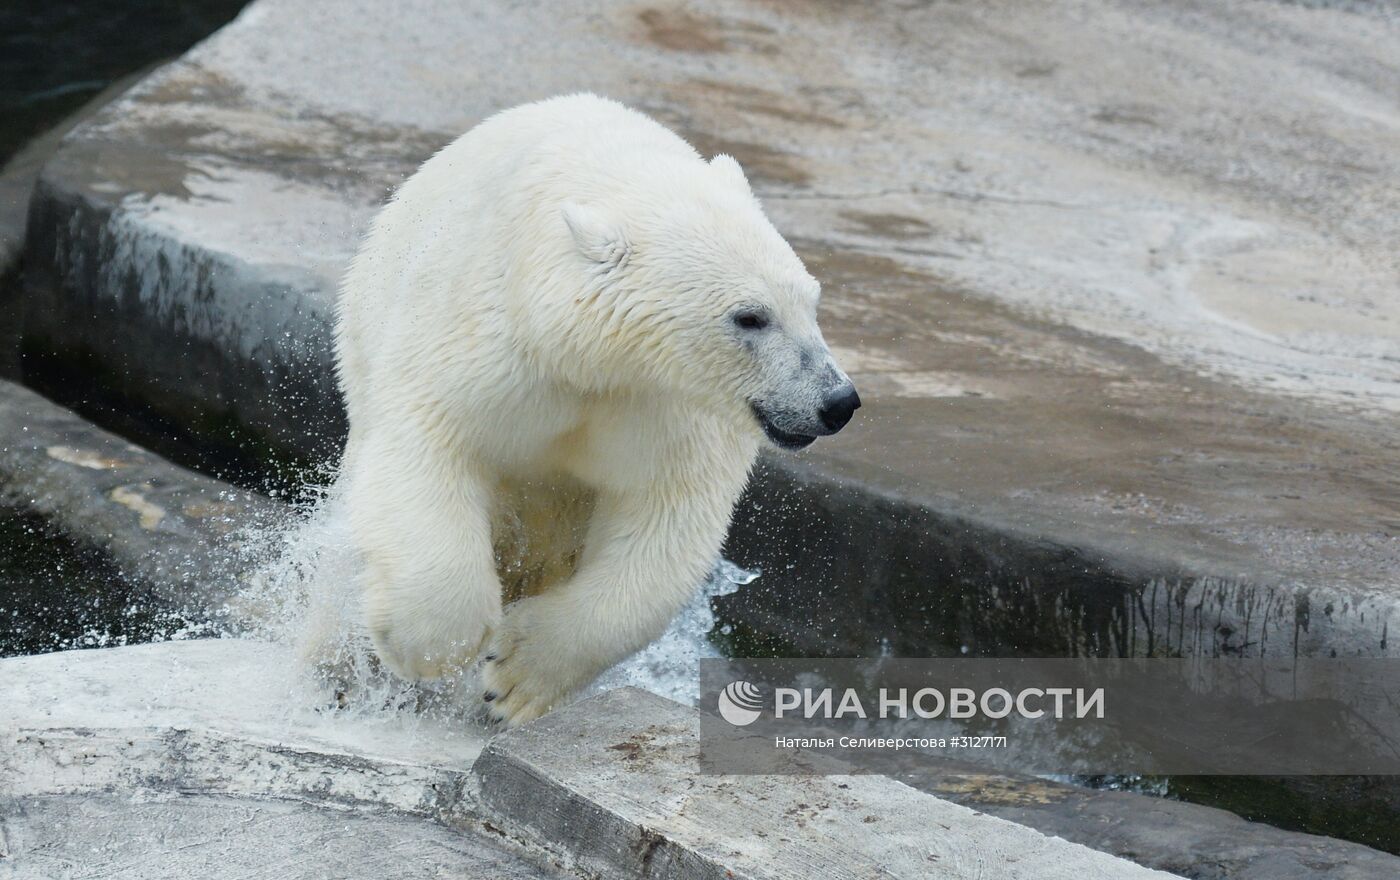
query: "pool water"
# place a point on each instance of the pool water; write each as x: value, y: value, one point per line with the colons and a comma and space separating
x: 56, y: 595
x: 56, y: 56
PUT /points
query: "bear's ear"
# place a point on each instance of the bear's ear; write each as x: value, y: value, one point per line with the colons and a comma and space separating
x: 596, y: 236
x: 729, y: 167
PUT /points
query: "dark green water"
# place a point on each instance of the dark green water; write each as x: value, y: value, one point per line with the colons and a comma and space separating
x: 54, y: 56
x: 1362, y: 809
x: 56, y: 595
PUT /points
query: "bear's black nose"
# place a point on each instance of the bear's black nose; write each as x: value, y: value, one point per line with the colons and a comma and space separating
x: 839, y: 406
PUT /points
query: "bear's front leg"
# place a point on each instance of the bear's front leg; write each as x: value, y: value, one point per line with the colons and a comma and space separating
x: 432, y: 596
x: 644, y: 557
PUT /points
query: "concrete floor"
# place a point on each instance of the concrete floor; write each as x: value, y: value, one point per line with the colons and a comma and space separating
x: 221, y: 838
x: 212, y: 758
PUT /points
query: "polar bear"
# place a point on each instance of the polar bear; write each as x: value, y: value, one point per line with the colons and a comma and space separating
x: 561, y: 346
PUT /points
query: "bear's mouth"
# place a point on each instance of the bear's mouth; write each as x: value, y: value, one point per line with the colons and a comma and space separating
x: 780, y: 438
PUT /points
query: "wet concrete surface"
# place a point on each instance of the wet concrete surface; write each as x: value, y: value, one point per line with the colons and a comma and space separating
x: 221, y: 838
x: 17, y: 178
x: 204, y: 758
x: 225, y: 770
x: 1117, y: 281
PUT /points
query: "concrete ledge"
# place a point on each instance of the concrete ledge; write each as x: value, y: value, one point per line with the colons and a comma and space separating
x: 607, y: 786
x: 216, y: 716
x: 880, y: 570
x: 219, y: 838
x: 172, y: 531
x: 146, y: 329
x: 207, y: 758
x: 20, y: 172
x: 17, y: 180
x: 615, y: 782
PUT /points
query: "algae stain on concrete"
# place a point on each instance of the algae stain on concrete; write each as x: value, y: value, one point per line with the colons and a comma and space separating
x: 131, y: 498
x: 753, y: 100
x: 993, y: 789
x: 680, y: 30
x: 85, y: 459
x: 887, y: 225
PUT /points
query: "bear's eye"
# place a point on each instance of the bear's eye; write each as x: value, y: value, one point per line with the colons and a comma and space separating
x: 751, y: 320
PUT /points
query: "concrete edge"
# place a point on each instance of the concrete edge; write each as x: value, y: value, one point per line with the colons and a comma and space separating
x: 641, y: 807
x: 18, y: 178
x: 77, y: 760
x: 21, y: 171
x: 271, y: 408
x: 982, y: 587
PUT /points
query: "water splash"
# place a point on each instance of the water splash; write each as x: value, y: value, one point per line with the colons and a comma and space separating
x: 670, y: 666
x: 307, y: 599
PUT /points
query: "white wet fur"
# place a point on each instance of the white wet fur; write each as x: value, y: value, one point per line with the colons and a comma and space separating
x: 551, y: 399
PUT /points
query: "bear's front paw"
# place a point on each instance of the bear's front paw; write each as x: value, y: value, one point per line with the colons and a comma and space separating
x: 529, y: 666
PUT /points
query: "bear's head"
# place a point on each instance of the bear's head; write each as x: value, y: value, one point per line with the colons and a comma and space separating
x: 698, y: 294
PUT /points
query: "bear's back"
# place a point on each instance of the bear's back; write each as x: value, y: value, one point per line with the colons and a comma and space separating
x: 481, y: 219
x: 576, y: 147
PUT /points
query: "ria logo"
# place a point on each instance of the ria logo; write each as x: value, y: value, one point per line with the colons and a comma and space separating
x: 740, y: 703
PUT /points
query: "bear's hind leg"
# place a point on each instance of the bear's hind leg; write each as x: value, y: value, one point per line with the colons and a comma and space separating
x: 432, y: 595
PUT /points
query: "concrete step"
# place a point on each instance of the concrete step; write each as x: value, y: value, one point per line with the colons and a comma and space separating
x: 616, y: 781
x: 221, y: 731
x: 170, y: 836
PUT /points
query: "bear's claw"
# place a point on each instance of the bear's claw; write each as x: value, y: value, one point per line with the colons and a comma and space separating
x: 527, y: 668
